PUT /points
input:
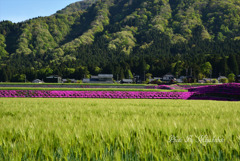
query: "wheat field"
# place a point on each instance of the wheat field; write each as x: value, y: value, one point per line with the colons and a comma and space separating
x: 118, y: 129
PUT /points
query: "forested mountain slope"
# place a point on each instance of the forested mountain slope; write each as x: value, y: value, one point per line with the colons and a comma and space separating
x: 125, y: 37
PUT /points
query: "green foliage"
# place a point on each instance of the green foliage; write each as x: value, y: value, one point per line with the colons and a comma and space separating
x: 96, y: 26
x: 97, y: 70
x: 124, y: 41
x: 205, y: 35
x: 77, y: 6
x: 117, y: 36
x: 231, y: 77
x: 206, y: 68
x: 148, y: 76
x: 214, y: 81
x: 223, y: 80
x: 233, y: 64
x: 19, y: 78
x: 3, y: 52
x: 200, y: 76
x: 130, y: 75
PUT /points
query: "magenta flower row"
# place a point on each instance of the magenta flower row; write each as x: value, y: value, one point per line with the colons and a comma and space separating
x: 95, y: 94
x: 228, y: 89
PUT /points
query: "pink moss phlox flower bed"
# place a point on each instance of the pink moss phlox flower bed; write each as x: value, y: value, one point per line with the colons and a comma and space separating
x: 231, y: 88
x: 229, y: 91
x: 95, y: 94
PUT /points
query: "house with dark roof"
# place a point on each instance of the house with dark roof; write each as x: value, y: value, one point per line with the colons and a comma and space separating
x: 53, y: 79
x: 168, y: 78
x: 100, y: 78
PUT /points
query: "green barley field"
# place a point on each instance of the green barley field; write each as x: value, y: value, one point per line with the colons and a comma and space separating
x: 118, y: 129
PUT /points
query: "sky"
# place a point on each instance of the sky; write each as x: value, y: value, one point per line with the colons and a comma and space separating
x: 21, y: 10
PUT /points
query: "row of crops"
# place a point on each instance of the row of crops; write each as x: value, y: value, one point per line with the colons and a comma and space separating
x: 229, y: 91
x: 118, y: 129
x: 95, y: 94
x: 213, y: 92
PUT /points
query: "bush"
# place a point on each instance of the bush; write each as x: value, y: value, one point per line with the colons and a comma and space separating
x: 208, y: 81
x: 185, y: 80
x: 156, y: 81
x: 159, y: 81
x: 224, y: 80
x: 231, y: 78
x: 146, y: 82
x: 214, y: 81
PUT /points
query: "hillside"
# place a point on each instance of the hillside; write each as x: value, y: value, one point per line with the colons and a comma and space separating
x: 125, y: 37
x: 77, y: 6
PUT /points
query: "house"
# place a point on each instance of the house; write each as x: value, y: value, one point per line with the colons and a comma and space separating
x: 69, y: 81
x: 127, y: 81
x: 53, y: 79
x: 181, y: 79
x: 105, y: 78
x: 168, y: 78
x: 100, y: 78
x: 37, y: 81
x: 137, y: 79
x: 86, y: 80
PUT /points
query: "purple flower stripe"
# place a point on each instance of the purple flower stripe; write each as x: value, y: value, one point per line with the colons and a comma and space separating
x: 228, y: 89
x: 212, y: 92
x: 96, y: 94
x: 230, y: 92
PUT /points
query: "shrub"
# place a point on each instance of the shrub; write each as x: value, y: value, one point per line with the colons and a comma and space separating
x: 214, y: 81
x: 146, y: 82
x: 231, y: 77
x: 224, y: 80
x: 208, y: 81
x: 185, y: 80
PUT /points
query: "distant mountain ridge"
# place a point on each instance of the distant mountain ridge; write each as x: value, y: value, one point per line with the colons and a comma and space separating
x: 77, y: 6
x: 85, y: 32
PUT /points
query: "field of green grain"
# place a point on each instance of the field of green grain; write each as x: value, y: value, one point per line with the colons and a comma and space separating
x: 113, y: 129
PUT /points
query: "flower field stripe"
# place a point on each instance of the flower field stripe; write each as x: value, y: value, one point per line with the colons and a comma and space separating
x: 230, y: 91
x: 95, y: 94
x: 231, y: 88
x: 214, y: 92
